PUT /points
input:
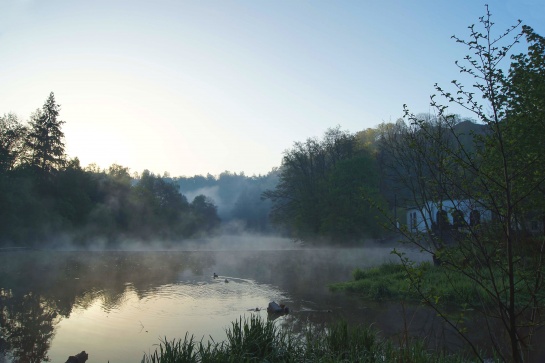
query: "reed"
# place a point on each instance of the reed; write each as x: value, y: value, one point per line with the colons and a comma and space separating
x: 255, y: 340
x: 342, y: 343
x: 174, y: 351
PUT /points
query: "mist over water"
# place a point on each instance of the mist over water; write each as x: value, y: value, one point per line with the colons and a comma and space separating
x: 117, y: 304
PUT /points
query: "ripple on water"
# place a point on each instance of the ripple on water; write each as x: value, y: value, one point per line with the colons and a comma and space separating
x: 205, y: 298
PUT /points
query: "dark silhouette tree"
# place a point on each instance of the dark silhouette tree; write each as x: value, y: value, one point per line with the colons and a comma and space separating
x: 324, y: 189
x: 12, y: 141
x: 501, y: 175
x: 46, y: 139
x: 205, y: 213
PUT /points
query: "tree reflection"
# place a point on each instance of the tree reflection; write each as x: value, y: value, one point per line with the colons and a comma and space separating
x: 39, y: 288
x: 27, y: 324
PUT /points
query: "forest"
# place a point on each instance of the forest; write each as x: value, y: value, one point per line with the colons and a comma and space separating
x: 334, y: 189
x: 341, y: 188
x: 49, y: 199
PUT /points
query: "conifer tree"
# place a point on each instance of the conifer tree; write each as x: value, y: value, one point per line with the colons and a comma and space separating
x: 46, y: 139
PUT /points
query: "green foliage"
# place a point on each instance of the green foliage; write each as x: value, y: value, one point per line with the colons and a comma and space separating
x: 205, y: 212
x: 91, y: 205
x: 44, y: 196
x: 351, y: 341
x: 12, y: 142
x: 384, y: 282
x: 253, y: 340
x: 342, y: 342
x: 399, y: 282
x: 160, y: 211
x: 524, y: 126
x: 503, y: 173
x: 326, y: 190
x: 71, y: 190
x: 45, y: 139
x: 352, y: 190
x: 174, y: 351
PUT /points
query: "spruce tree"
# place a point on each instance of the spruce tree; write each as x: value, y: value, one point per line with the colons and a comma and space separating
x: 46, y: 139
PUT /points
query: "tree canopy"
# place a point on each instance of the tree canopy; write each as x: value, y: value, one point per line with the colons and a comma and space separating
x: 45, y: 139
x: 48, y: 199
x: 326, y: 189
x: 498, y: 170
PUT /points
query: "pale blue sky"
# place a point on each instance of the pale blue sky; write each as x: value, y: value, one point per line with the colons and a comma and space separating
x: 196, y: 87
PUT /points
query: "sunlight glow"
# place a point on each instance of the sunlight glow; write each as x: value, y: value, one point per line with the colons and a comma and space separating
x: 196, y: 88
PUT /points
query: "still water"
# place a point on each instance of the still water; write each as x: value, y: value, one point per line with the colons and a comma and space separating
x: 116, y: 305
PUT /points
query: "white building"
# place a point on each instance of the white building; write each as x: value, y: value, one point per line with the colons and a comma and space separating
x: 458, y: 213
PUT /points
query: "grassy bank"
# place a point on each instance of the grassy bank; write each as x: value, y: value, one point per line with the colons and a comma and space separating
x: 255, y: 340
x: 393, y: 282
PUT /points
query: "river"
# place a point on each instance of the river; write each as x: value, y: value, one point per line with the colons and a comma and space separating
x: 116, y: 305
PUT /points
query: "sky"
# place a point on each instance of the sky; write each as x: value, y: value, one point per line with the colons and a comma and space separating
x: 197, y: 87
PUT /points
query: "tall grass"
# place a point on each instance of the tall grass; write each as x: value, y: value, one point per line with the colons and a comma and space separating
x: 342, y: 343
x: 385, y: 282
x: 391, y: 282
x: 174, y: 351
x: 255, y: 340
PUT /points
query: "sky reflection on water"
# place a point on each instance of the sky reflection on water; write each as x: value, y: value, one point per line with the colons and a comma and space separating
x: 117, y: 305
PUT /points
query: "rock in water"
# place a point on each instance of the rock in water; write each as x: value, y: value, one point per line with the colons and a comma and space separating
x: 78, y: 358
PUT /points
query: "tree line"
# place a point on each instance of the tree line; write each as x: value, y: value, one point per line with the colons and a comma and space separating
x: 238, y: 198
x: 327, y: 190
x: 346, y: 186
x: 439, y: 164
x: 47, y: 198
x: 341, y: 188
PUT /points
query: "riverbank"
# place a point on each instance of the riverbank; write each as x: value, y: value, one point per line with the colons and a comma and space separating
x: 255, y: 340
x: 391, y: 281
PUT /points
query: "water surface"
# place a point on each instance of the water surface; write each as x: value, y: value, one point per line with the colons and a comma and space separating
x: 116, y: 305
